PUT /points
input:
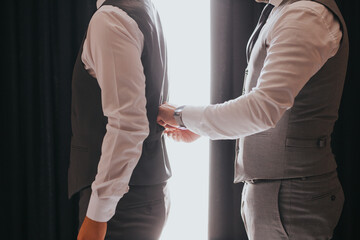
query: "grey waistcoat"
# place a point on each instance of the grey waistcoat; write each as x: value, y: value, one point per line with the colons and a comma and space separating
x: 299, y: 145
x: 87, y: 118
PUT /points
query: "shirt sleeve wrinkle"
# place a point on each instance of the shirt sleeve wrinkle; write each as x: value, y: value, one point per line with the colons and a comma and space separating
x: 109, y: 32
x: 263, y: 112
x: 299, y: 45
x: 315, y: 22
x: 114, y: 45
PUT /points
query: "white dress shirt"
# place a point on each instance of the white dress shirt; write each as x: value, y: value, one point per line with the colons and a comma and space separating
x: 302, y: 37
x: 112, y: 54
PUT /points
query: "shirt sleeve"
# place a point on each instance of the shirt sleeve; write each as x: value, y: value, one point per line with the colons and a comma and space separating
x: 112, y: 54
x: 300, y: 43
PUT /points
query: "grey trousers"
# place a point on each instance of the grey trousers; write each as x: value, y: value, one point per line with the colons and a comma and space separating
x: 292, y: 209
x: 140, y: 214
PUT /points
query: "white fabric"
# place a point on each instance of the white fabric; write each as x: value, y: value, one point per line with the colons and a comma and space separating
x: 112, y: 54
x: 302, y: 36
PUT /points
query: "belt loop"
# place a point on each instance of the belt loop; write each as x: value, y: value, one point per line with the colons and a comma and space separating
x: 251, y: 181
x: 321, y: 142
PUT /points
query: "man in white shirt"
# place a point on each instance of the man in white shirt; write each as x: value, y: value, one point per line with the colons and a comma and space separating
x: 117, y: 147
x: 297, y: 59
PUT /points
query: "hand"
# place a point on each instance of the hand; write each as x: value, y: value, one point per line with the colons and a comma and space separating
x: 166, y: 116
x: 92, y: 230
x: 181, y: 135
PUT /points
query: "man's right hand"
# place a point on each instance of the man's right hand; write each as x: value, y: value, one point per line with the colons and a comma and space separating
x: 166, y: 116
x: 181, y: 135
x: 92, y: 230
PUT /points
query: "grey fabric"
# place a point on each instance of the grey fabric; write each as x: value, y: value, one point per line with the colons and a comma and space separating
x: 84, y: 198
x: 299, y: 144
x: 140, y: 215
x: 292, y: 209
x: 262, y: 20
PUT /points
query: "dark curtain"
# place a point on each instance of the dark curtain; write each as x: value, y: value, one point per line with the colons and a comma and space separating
x: 41, y: 40
x: 232, y: 22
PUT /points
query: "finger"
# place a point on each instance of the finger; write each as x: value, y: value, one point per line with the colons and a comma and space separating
x: 161, y: 122
x: 168, y: 126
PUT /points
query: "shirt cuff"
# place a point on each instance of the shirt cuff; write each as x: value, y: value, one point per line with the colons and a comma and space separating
x: 101, y: 209
x: 192, y: 118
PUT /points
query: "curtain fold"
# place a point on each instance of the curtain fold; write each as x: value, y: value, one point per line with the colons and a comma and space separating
x: 232, y: 22
x: 41, y: 42
x: 347, y: 130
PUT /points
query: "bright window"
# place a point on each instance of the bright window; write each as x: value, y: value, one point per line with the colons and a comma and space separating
x: 186, y: 26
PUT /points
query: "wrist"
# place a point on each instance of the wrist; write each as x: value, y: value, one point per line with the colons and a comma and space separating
x: 178, y: 117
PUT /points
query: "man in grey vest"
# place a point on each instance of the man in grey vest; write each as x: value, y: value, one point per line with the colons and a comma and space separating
x: 117, y: 147
x: 297, y: 60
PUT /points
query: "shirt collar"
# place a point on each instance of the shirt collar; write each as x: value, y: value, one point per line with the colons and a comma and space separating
x: 276, y: 3
x: 99, y: 3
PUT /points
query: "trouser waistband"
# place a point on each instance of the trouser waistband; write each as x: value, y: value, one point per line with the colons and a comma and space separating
x: 254, y: 181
